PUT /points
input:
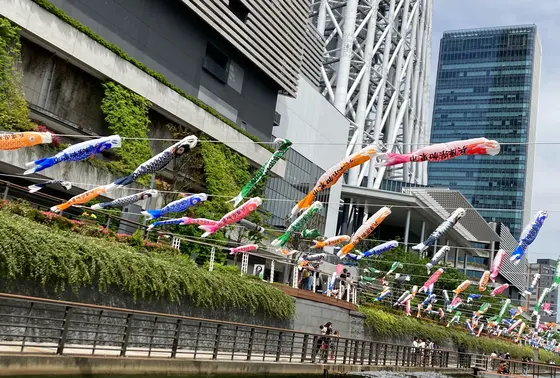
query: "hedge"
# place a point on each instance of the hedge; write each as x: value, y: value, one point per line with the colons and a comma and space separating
x: 66, y: 260
x: 382, y: 323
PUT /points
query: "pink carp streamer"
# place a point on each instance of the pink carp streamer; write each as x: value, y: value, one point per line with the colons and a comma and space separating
x: 233, y: 216
x: 442, y: 151
x: 244, y: 248
x: 433, y: 279
x: 497, y: 264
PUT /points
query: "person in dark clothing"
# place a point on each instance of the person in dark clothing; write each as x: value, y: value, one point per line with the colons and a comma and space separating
x: 325, y: 330
x: 462, y: 356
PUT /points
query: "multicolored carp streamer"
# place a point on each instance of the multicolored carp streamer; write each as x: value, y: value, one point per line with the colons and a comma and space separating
x: 419, y: 313
x: 333, y: 174
x: 455, y: 303
x: 469, y: 326
x: 364, y: 230
x: 128, y: 200
x: 183, y: 221
x: 528, y: 236
x: 297, y: 225
x: 499, y: 290
x: 387, y: 246
x: 534, y: 282
x: 283, y: 147
x: 383, y: 294
x: 160, y: 161
x: 429, y: 299
x: 178, y: 206
x: 497, y: 264
x: 315, y: 257
x: 36, y: 187
x: 442, y: 151
x: 484, y: 281
x: 407, y: 308
x: 251, y: 226
x: 448, y: 224
x: 480, y: 330
x: 521, y: 329
x: 433, y: 279
x: 516, y: 312
x: 472, y: 297
x: 541, y: 300
x: 396, y: 265
x: 437, y: 257
x: 403, y: 296
x: 495, y: 320
x: 445, y: 298
x: 75, y: 152
x: 331, y: 241
x: 455, y: 319
x: 233, y: 216
x: 83, y: 198
x: 16, y: 141
x: 311, y: 234
x: 286, y: 252
x: 373, y: 271
x: 462, y: 287
x: 244, y: 248
x: 482, y: 310
x: 514, y: 325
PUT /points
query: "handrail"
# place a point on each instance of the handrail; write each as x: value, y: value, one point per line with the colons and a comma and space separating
x: 48, y: 326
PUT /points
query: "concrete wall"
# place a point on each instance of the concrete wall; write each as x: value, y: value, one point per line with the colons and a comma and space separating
x: 311, y: 315
x: 58, y: 37
x: 322, y: 133
x: 56, y: 86
x: 169, y: 38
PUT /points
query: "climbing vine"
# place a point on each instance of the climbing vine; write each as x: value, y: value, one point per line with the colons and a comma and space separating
x: 220, y: 172
x: 126, y: 114
x: 14, y: 114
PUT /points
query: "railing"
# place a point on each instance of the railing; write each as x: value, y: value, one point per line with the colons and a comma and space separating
x: 42, y: 326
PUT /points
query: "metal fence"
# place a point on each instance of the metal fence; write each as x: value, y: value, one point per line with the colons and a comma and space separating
x: 43, y: 326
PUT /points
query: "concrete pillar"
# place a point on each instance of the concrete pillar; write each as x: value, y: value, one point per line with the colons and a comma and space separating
x: 272, y: 271
x: 422, y: 231
x: 407, y: 229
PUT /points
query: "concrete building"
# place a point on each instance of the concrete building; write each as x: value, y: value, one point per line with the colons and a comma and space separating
x: 487, y: 86
x: 225, y: 55
x: 546, y: 268
x: 375, y: 72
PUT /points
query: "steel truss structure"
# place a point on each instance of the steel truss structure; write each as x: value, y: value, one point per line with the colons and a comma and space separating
x: 376, y: 71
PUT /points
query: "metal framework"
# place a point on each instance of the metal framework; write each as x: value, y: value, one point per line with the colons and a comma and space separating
x: 375, y: 71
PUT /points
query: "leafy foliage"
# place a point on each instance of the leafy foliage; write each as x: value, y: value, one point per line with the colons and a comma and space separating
x: 62, y: 259
x: 127, y: 115
x: 47, y: 5
x: 383, y: 323
x: 222, y: 172
x: 14, y: 114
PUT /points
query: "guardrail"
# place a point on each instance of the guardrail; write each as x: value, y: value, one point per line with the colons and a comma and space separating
x: 51, y: 327
x: 43, y: 326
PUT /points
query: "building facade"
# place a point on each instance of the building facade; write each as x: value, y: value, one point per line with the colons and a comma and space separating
x: 375, y: 72
x: 487, y: 86
x: 546, y: 268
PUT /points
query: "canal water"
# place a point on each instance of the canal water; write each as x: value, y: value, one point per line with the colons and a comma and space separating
x: 377, y: 374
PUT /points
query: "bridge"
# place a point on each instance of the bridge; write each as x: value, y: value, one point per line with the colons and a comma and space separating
x: 55, y: 337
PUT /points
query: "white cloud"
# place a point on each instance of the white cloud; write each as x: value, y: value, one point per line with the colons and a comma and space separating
x: 457, y: 14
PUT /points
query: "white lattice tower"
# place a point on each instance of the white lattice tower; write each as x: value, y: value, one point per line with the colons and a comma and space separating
x: 271, y: 271
x: 212, y: 258
x: 295, y: 276
x: 176, y: 243
x: 375, y: 71
x: 244, y: 263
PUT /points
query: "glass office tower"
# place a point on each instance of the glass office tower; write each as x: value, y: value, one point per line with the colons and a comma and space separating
x: 487, y: 86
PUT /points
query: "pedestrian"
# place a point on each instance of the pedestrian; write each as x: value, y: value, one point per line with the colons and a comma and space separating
x: 494, y: 360
x: 415, y: 351
x: 524, y: 366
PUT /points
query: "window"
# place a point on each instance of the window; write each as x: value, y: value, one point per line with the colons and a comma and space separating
x: 277, y: 118
x: 239, y: 9
x: 216, y: 63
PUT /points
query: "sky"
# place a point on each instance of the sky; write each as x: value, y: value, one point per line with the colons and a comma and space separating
x: 461, y: 14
